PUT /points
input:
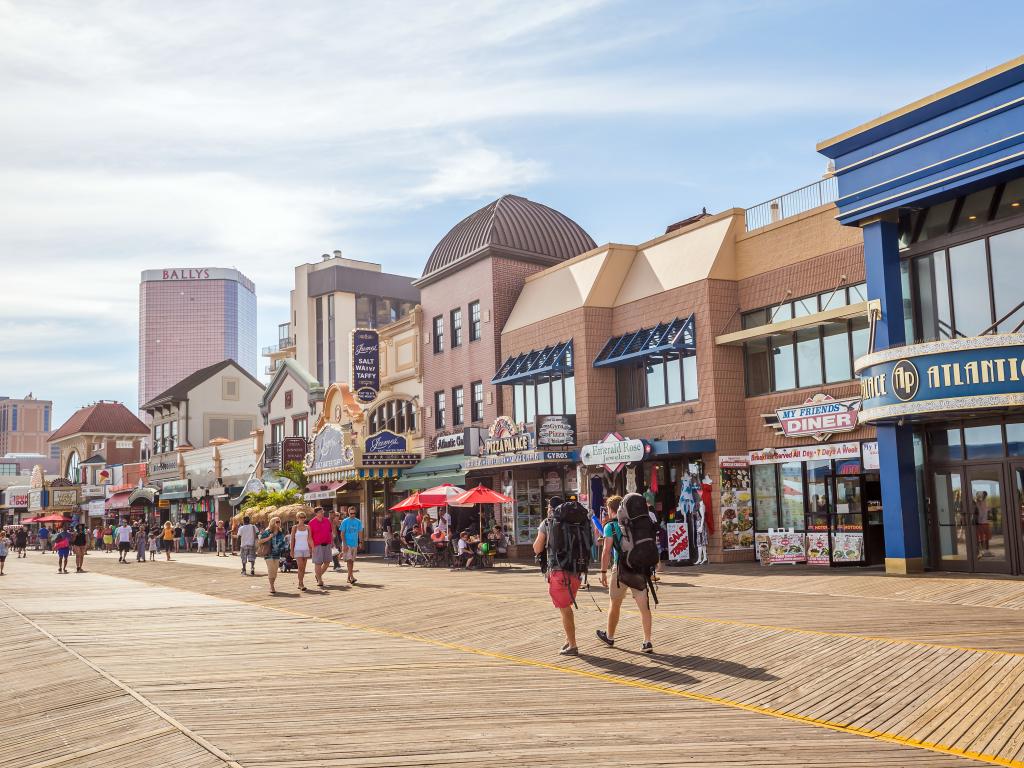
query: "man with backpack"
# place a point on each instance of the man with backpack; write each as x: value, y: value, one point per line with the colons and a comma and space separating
x: 630, y: 543
x: 563, y: 547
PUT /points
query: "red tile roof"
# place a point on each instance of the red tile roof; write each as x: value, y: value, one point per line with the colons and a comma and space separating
x: 101, y: 419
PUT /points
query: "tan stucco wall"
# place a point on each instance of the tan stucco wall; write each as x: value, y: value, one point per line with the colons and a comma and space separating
x: 205, y: 400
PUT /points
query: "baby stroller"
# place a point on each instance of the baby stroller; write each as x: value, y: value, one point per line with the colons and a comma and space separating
x: 287, y: 563
x: 427, y: 550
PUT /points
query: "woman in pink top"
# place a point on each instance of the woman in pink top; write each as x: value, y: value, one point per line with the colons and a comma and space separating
x: 221, y: 537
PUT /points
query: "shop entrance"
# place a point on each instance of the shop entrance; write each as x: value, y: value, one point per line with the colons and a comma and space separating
x: 973, y: 528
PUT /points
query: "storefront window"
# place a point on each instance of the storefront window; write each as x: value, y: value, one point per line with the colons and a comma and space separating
x: 569, y: 393
x: 792, y: 484
x: 984, y: 442
x: 690, y: 391
x: 783, y: 362
x: 860, y: 335
x: 766, y: 507
x: 1015, y: 438
x: 933, y: 297
x: 544, y: 397
x: 674, y: 393
x: 945, y: 445
x: 1006, y: 250
x: 758, y: 367
x: 817, y: 494
x: 836, y: 341
x: 655, y: 384
x: 808, y: 352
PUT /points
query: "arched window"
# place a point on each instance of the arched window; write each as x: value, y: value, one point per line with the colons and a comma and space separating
x: 74, y: 468
x: 398, y: 416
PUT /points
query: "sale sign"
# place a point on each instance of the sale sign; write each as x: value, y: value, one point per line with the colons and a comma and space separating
x: 819, y: 417
x: 678, y: 542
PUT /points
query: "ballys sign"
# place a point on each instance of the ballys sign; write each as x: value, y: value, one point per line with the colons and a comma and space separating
x: 506, y: 436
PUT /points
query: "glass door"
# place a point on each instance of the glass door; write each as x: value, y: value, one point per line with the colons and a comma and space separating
x: 988, y: 504
x: 953, y: 546
x: 847, y: 521
x: 1015, y: 521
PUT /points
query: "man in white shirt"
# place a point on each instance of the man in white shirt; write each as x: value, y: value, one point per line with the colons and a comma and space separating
x: 123, y: 534
x: 247, y: 533
x: 444, y: 521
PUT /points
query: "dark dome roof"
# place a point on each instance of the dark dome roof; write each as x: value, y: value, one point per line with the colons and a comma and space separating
x: 516, y: 224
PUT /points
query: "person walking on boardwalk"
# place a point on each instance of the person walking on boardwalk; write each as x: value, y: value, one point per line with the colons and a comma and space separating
x: 563, y: 543
x: 108, y: 537
x: 301, y: 547
x: 321, y: 531
x: 336, y: 541
x: 97, y: 535
x: 247, y: 533
x: 351, y: 527
x: 62, y: 545
x: 221, y: 537
x: 21, y: 541
x: 167, y: 539
x: 5, y: 546
x: 273, y: 545
x: 617, y: 586
x: 141, y: 542
x: 80, y: 543
x: 124, y: 541
x: 43, y: 539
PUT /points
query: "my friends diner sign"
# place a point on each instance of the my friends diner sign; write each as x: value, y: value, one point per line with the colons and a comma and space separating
x: 942, y: 376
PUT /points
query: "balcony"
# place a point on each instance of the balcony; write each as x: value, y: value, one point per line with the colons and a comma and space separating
x: 792, y: 203
x: 285, y: 344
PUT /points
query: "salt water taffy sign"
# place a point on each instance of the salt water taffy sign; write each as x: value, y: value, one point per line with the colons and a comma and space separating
x: 942, y: 376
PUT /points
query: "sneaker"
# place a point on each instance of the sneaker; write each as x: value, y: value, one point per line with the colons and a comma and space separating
x: 603, y: 637
x: 243, y: 571
x: 647, y: 647
x: 569, y: 650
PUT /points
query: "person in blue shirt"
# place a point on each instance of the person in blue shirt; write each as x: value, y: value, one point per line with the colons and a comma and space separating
x: 351, y: 528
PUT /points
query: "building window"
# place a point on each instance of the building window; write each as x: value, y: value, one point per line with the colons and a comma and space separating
x: 458, y: 406
x: 438, y: 334
x: 46, y: 419
x: 456, y: 327
x: 74, y: 468
x: 650, y: 382
x: 229, y: 388
x: 172, y: 435
x: 554, y: 395
x: 477, y: 406
x: 299, y: 425
x: 288, y: 399
x: 397, y: 416
x: 54, y: 451
x: 439, y: 410
x: 474, y: 321
x: 320, y: 340
x: 277, y: 432
x: 332, y: 362
x: 14, y: 418
x: 375, y: 311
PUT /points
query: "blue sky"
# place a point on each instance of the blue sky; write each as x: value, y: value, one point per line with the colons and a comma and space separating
x: 260, y: 135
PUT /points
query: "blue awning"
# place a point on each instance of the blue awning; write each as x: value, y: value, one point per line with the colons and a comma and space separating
x: 677, y: 336
x: 531, y: 366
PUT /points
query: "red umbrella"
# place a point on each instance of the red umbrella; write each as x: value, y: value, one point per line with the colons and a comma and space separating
x: 51, y: 519
x: 410, y: 503
x: 479, y: 495
x: 440, y: 495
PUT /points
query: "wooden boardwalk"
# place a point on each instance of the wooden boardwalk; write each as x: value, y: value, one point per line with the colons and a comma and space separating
x: 190, y: 664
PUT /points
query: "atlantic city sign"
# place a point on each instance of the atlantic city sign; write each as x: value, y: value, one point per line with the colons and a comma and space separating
x: 938, y: 377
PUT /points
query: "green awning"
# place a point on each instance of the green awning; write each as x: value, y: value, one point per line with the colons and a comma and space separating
x: 435, y: 470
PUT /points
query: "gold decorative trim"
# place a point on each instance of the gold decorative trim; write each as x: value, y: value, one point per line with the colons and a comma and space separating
x: 971, y: 402
x: 937, y: 347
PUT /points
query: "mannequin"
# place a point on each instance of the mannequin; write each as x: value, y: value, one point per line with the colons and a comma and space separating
x: 701, y: 531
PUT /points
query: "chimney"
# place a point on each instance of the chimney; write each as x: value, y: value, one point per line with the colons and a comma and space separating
x: 337, y: 254
x: 325, y: 256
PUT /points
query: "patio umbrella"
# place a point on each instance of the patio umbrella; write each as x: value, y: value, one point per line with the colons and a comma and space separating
x: 480, y: 495
x: 51, y: 519
x: 442, y: 495
x: 410, y: 503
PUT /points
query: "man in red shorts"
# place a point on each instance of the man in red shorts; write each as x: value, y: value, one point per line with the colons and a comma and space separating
x: 562, y: 585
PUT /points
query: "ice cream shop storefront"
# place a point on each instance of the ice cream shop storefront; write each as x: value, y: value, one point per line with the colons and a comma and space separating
x: 937, y: 189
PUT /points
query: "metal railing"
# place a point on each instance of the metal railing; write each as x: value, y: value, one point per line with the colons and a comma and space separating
x: 792, y: 203
x: 281, y: 346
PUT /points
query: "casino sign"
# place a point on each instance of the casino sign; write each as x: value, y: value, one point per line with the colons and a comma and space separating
x: 931, y: 380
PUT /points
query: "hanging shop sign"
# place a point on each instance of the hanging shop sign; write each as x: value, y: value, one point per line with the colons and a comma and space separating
x: 512, y: 459
x: 943, y: 376
x: 737, y: 512
x: 293, y: 449
x: 506, y: 436
x: 63, y: 497
x: 95, y: 508
x: 16, y: 499
x: 329, y: 450
x: 93, y: 491
x: 819, y: 417
x: 365, y: 364
x: 449, y: 443
x: 556, y: 430
x: 614, y: 452
x: 805, y: 453
x: 176, y: 489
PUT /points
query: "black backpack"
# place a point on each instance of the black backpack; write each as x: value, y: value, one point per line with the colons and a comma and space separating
x: 638, y: 546
x: 569, y: 539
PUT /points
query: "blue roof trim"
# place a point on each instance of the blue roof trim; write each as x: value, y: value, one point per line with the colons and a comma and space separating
x: 677, y: 336
x: 530, y: 366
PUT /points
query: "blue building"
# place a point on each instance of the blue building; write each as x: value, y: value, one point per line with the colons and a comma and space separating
x: 937, y: 188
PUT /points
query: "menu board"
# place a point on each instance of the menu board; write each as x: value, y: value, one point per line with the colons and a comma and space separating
x: 734, y: 503
x: 678, y: 542
x: 761, y: 544
x: 786, y: 546
x: 847, y: 547
x: 529, y: 509
x: 818, y: 548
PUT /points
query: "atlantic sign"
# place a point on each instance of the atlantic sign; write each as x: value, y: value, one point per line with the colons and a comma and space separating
x: 943, y: 376
x: 365, y: 364
x: 820, y: 417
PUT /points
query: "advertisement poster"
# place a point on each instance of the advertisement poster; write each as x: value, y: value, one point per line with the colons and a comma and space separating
x: 848, y: 547
x: 786, y: 547
x: 870, y: 456
x: 556, y: 430
x: 761, y: 545
x: 817, y: 548
x: 737, y: 512
x: 678, y: 542
x: 365, y: 364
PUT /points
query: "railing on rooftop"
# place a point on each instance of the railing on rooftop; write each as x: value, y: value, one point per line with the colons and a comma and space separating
x: 792, y: 203
x: 281, y: 346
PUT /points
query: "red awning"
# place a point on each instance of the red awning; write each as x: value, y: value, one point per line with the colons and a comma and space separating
x: 118, y: 501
